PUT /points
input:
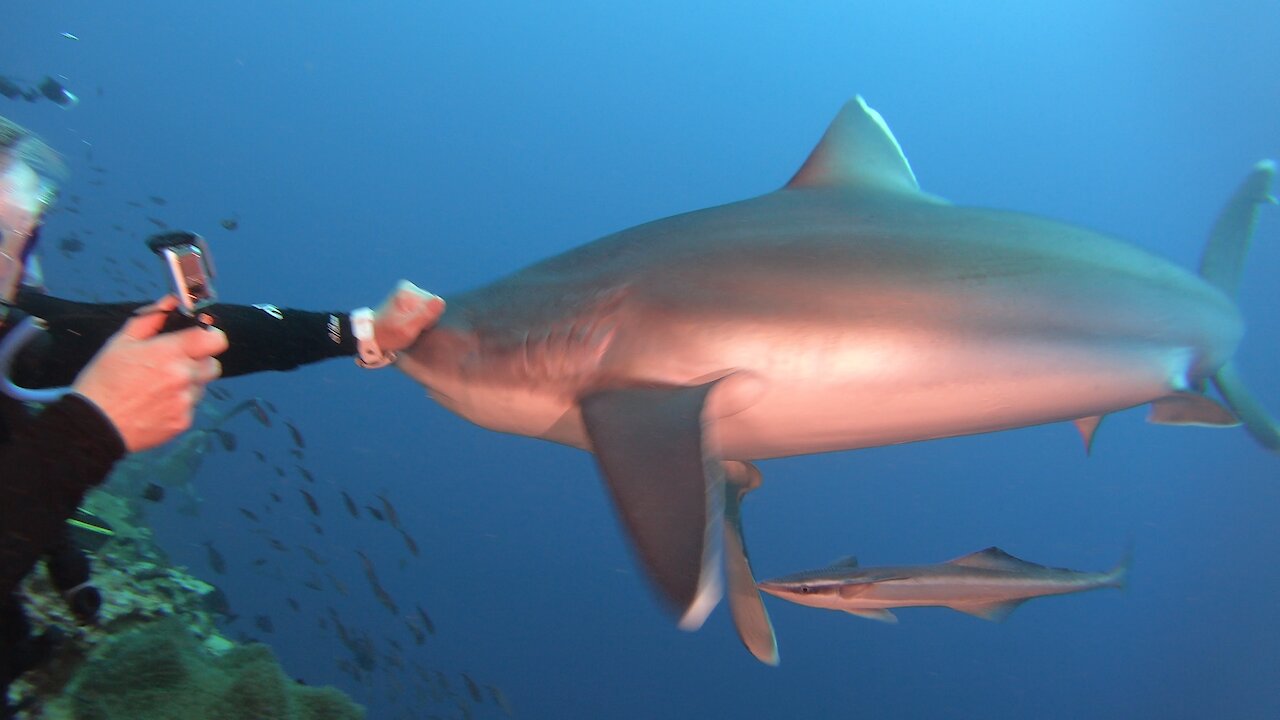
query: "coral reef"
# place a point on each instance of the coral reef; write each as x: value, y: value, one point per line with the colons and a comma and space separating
x: 155, y: 651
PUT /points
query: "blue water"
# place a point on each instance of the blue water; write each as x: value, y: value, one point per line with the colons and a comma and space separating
x: 361, y: 142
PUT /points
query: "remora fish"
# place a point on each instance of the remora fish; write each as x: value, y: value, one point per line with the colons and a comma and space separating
x: 848, y: 309
x: 989, y: 584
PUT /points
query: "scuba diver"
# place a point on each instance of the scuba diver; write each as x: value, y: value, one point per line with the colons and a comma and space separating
x: 119, y: 378
x: 49, y: 89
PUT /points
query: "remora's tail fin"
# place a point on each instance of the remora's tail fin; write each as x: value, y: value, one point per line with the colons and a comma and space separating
x: 1221, y: 265
x: 1118, y: 576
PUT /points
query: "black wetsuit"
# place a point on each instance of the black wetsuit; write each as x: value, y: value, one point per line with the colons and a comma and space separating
x: 49, y: 460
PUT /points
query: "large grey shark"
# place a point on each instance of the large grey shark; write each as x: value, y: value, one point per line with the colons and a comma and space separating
x: 849, y: 309
x: 988, y: 584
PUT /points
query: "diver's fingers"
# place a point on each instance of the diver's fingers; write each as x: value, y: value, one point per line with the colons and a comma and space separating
x: 201, y: 342
x: 149, y: 319
x: 207, y: 370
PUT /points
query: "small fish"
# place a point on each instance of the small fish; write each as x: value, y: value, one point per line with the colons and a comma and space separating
x: 375, y: 512
x: 338, y: 585
x: 156, y: 199
x: 311, y: 502
x: 378, y: 591
x: 313, y: 583
x: 249, y: 514
x: 263, y: 623
x: 296, y: 453
x: 278, y: 545
x: 351, y: 505
x: 409, y: 543
x: 316, y: 527
x: 70, y: 245
x: 259, y: 414
x: 472, y: 688
x: 279, y: 470
x: 69, y: 36
x: 133, y: 203
x: 153, y: 492
x: 392, y: 516
x: 297, y: 436
x: 275, y: 496
x: 258, y: 454
x: 226, y: 439
x: 419, y: 637
x: 500, y: 698
x: 216, y: 560
x: 313, y: 555
x: 426, y: 620
x: 158, y: 223
x: 259, y: 562
x: 306, y: 474
x: 293, y: 604
x: 229, y: 223
x: 217, y: 393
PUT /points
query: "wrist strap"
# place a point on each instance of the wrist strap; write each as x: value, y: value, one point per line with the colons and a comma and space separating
x: 368, y: 354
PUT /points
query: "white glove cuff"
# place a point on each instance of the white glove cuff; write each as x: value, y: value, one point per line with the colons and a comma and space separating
x: 368, y: 354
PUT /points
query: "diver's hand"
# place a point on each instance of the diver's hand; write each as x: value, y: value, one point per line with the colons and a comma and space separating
x: 404, y: 315
x: 148, y: 384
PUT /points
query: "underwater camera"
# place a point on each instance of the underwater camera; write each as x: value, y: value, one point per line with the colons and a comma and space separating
x: 190, y: 266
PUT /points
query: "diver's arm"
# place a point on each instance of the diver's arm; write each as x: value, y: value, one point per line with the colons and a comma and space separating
x: 47, y: 465
x: 261, y: 337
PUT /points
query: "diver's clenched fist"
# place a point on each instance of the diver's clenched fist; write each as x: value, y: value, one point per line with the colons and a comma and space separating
x: 148, y: 384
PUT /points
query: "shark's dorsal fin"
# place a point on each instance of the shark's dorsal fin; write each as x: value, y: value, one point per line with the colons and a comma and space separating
x: 858, y: 150
x: 993, y: 558
x: 848, y: 561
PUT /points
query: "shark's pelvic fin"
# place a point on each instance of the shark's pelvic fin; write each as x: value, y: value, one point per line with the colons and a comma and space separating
x: 1257, y: 421
x: 1088, y: 427
x: 669, y: 493
x: 858, y: 150
x: 749, y: 614
x: 1189, y: 408
x: 993, y: 611
x: 874, y: 614
x: 1222, y: 265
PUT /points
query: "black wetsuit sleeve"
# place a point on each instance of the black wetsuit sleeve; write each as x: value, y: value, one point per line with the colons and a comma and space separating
x: 259, y: 337
x: 47, y: 464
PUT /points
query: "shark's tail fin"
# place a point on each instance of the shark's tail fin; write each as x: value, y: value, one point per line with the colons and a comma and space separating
x: 1221, y: 266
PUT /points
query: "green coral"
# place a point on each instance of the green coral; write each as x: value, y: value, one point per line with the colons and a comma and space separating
x: 162, y: 672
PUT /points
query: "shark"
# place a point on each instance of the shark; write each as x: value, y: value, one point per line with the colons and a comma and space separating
x: 848, y: 309
x: 988, y: 584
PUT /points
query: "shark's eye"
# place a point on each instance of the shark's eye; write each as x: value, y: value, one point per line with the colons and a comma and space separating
x: 805, y: 589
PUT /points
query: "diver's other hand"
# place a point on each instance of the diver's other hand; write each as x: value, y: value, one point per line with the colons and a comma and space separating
x: 147, y: 383
x: 404, y: 315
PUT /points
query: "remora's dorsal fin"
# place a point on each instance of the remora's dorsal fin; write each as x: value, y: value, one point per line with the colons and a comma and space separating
x: 858, y: 150
x: 749, y: 615
x: 848, y: 561
x: 669, y: 493
x: 993, y: 558
x: 1189, y: 408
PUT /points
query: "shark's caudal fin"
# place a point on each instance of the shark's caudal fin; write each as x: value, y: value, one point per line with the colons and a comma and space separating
x: 749, y: 616
x: 1221, y: 265
x: 669, y: 492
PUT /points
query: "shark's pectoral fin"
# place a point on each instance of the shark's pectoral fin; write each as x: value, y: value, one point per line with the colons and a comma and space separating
x: 1190, y: 408
x: 874, y: 614
x: 667, y: 488
x: 749, y: 615
x: 993, y: 611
